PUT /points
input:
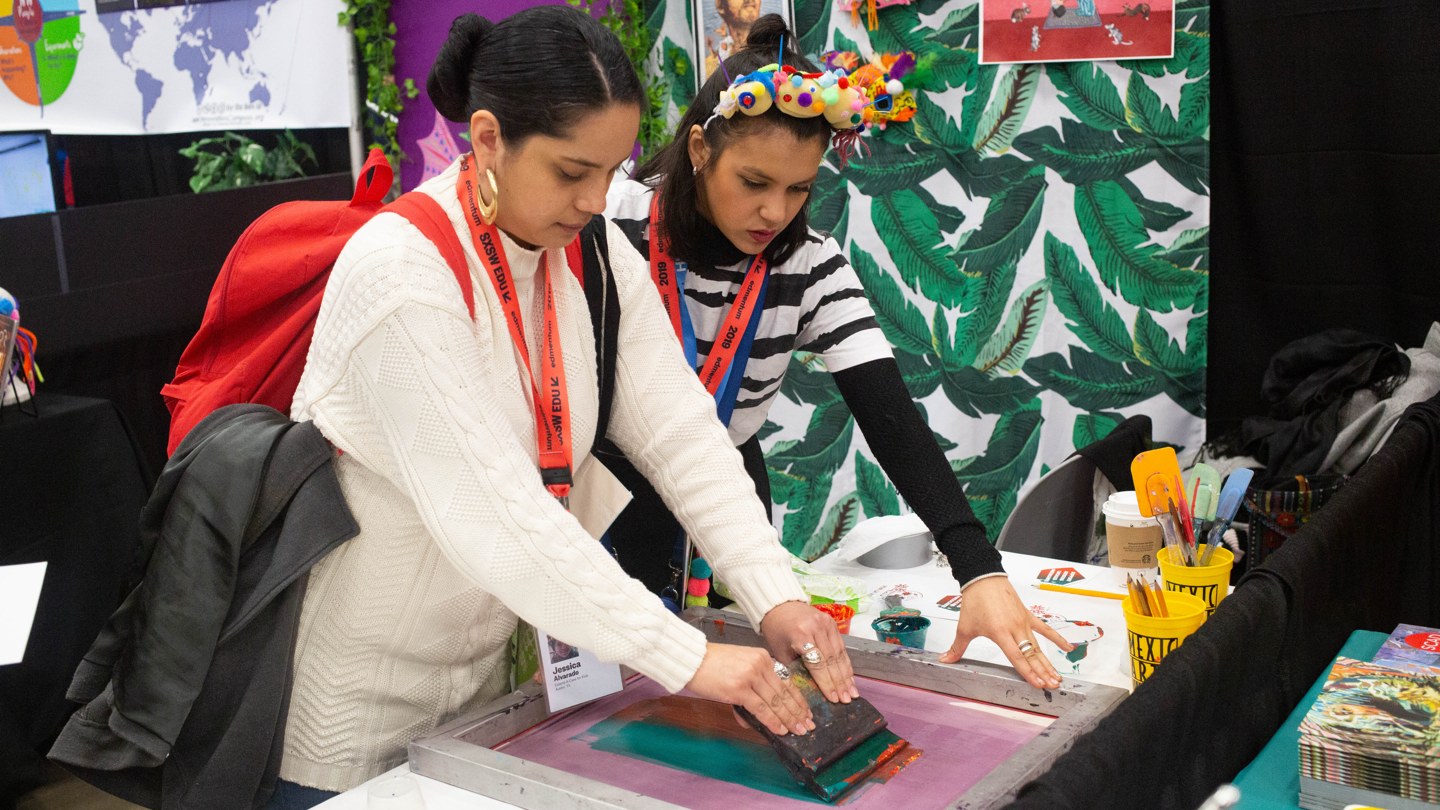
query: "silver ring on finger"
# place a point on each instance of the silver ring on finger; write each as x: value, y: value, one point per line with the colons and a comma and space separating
x: 781, y: 671
x: 811, y: 656
x: 1026, y: 646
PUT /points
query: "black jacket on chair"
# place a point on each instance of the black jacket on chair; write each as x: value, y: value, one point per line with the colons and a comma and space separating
x: 186, y: 689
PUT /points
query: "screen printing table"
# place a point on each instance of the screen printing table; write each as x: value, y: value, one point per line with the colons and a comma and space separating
x: 1097, y: 621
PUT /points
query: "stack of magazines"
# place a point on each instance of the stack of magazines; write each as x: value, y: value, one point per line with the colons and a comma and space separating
x: 1373, y: 735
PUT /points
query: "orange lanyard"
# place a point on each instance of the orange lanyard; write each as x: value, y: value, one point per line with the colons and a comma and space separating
x: 552, y: 401
x: 662, y: 267
x: 732, y: 329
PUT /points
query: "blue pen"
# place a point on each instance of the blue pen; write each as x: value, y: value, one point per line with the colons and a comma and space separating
x: 1230, y: 498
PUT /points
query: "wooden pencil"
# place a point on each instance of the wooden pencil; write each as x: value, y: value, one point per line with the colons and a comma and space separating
x: 1157, y: 595
x: 1046, y: 586
x: 1137, y: 597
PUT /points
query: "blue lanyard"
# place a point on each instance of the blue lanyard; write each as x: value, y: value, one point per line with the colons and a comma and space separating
x: 725, y: 399
x: 729, y: 392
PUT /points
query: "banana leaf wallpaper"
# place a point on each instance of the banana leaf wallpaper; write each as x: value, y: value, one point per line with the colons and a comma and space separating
x: 1035, y: 243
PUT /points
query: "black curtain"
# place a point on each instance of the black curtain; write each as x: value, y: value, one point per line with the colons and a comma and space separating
x: 129, y: 372
x: 1325, y: 138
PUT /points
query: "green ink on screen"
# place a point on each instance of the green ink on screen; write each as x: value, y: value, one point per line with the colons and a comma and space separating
x: 692, y: 750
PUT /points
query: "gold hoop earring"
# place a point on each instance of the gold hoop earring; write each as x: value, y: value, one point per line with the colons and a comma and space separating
x: 488, y: 212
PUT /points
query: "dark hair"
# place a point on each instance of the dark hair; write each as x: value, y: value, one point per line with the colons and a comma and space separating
x: 671, y: 172
x: 538, y: 70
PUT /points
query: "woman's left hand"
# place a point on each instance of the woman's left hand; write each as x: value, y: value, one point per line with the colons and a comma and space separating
x: 991, y: 608
x: 796, y: 629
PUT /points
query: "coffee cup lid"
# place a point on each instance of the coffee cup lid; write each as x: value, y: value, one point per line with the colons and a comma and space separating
x: 1123, y: 504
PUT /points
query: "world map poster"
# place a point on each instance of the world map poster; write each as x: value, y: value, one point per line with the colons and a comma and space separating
x: 141, y: 66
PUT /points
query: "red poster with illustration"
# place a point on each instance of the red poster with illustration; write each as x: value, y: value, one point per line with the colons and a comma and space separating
x: 1072, y: 30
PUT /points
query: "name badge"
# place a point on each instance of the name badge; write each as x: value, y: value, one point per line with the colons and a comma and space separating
x: 574, y: 676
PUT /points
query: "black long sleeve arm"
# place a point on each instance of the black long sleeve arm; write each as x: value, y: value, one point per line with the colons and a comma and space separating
x: 906, y: 450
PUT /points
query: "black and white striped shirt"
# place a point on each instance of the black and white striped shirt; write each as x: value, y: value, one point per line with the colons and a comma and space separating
x: 814, y: 303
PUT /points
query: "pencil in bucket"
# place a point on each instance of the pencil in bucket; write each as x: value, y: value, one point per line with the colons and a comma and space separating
x: 1151, y: 638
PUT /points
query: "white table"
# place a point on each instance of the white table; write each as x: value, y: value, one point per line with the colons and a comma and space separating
x: 1105, y: 661
x: 438, y: 795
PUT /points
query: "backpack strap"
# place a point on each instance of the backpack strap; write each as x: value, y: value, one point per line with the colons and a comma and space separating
x: 426, y: 214
x: 375, y: 179
x: 604, y: 300
x: 575, y: 258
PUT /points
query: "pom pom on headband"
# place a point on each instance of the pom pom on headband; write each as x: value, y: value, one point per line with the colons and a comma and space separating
x: 851, y: 94
x: 889, y: 81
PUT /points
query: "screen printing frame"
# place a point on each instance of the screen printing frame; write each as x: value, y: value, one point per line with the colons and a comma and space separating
x: 449, y: 755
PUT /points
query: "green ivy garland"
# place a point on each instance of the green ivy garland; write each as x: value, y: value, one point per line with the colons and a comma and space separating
x: 369, y: 20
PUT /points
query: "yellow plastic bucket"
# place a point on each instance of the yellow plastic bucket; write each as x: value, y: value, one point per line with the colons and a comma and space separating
x: 1210, y: 582
x: 1152, y: 638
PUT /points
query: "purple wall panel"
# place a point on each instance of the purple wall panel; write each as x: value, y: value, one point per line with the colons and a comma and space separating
x: 421, y: 26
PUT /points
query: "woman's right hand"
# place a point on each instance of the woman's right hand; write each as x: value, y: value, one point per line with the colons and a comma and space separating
x: 745, y: 676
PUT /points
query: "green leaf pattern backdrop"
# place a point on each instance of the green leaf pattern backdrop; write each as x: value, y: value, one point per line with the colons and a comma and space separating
x: 1035, y: 243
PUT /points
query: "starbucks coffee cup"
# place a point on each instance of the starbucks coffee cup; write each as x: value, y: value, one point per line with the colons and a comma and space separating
x: 1132, y: 540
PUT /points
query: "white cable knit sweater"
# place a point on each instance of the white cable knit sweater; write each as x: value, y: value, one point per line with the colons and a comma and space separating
x: 407, y: 624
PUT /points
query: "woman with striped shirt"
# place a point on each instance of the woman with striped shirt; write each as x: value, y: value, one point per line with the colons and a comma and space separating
x: 720, y: 213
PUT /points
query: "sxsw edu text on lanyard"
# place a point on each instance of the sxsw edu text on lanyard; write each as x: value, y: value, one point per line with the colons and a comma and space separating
x: 550, y: 396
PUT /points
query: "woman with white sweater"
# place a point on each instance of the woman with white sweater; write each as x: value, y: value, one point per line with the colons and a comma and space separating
x: 441, y: 449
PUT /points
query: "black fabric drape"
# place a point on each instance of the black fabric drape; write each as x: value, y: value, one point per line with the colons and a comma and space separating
x: 128, y: 373
x: 1367, y: 561
x: 1324, y: 163
x: 1166, y: 746
x: 76, y: 485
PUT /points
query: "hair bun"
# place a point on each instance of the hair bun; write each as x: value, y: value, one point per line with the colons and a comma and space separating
x: 767, y: 35
x: 449, y: 82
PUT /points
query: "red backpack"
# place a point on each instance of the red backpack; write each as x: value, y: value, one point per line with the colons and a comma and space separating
x: 260, y: 317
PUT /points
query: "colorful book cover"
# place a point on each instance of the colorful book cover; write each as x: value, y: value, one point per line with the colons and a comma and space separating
x: 1375, y: 726
x: 1411, y: 647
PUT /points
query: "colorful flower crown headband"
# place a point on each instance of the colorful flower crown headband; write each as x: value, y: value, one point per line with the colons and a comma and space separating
x: 849, y: 94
